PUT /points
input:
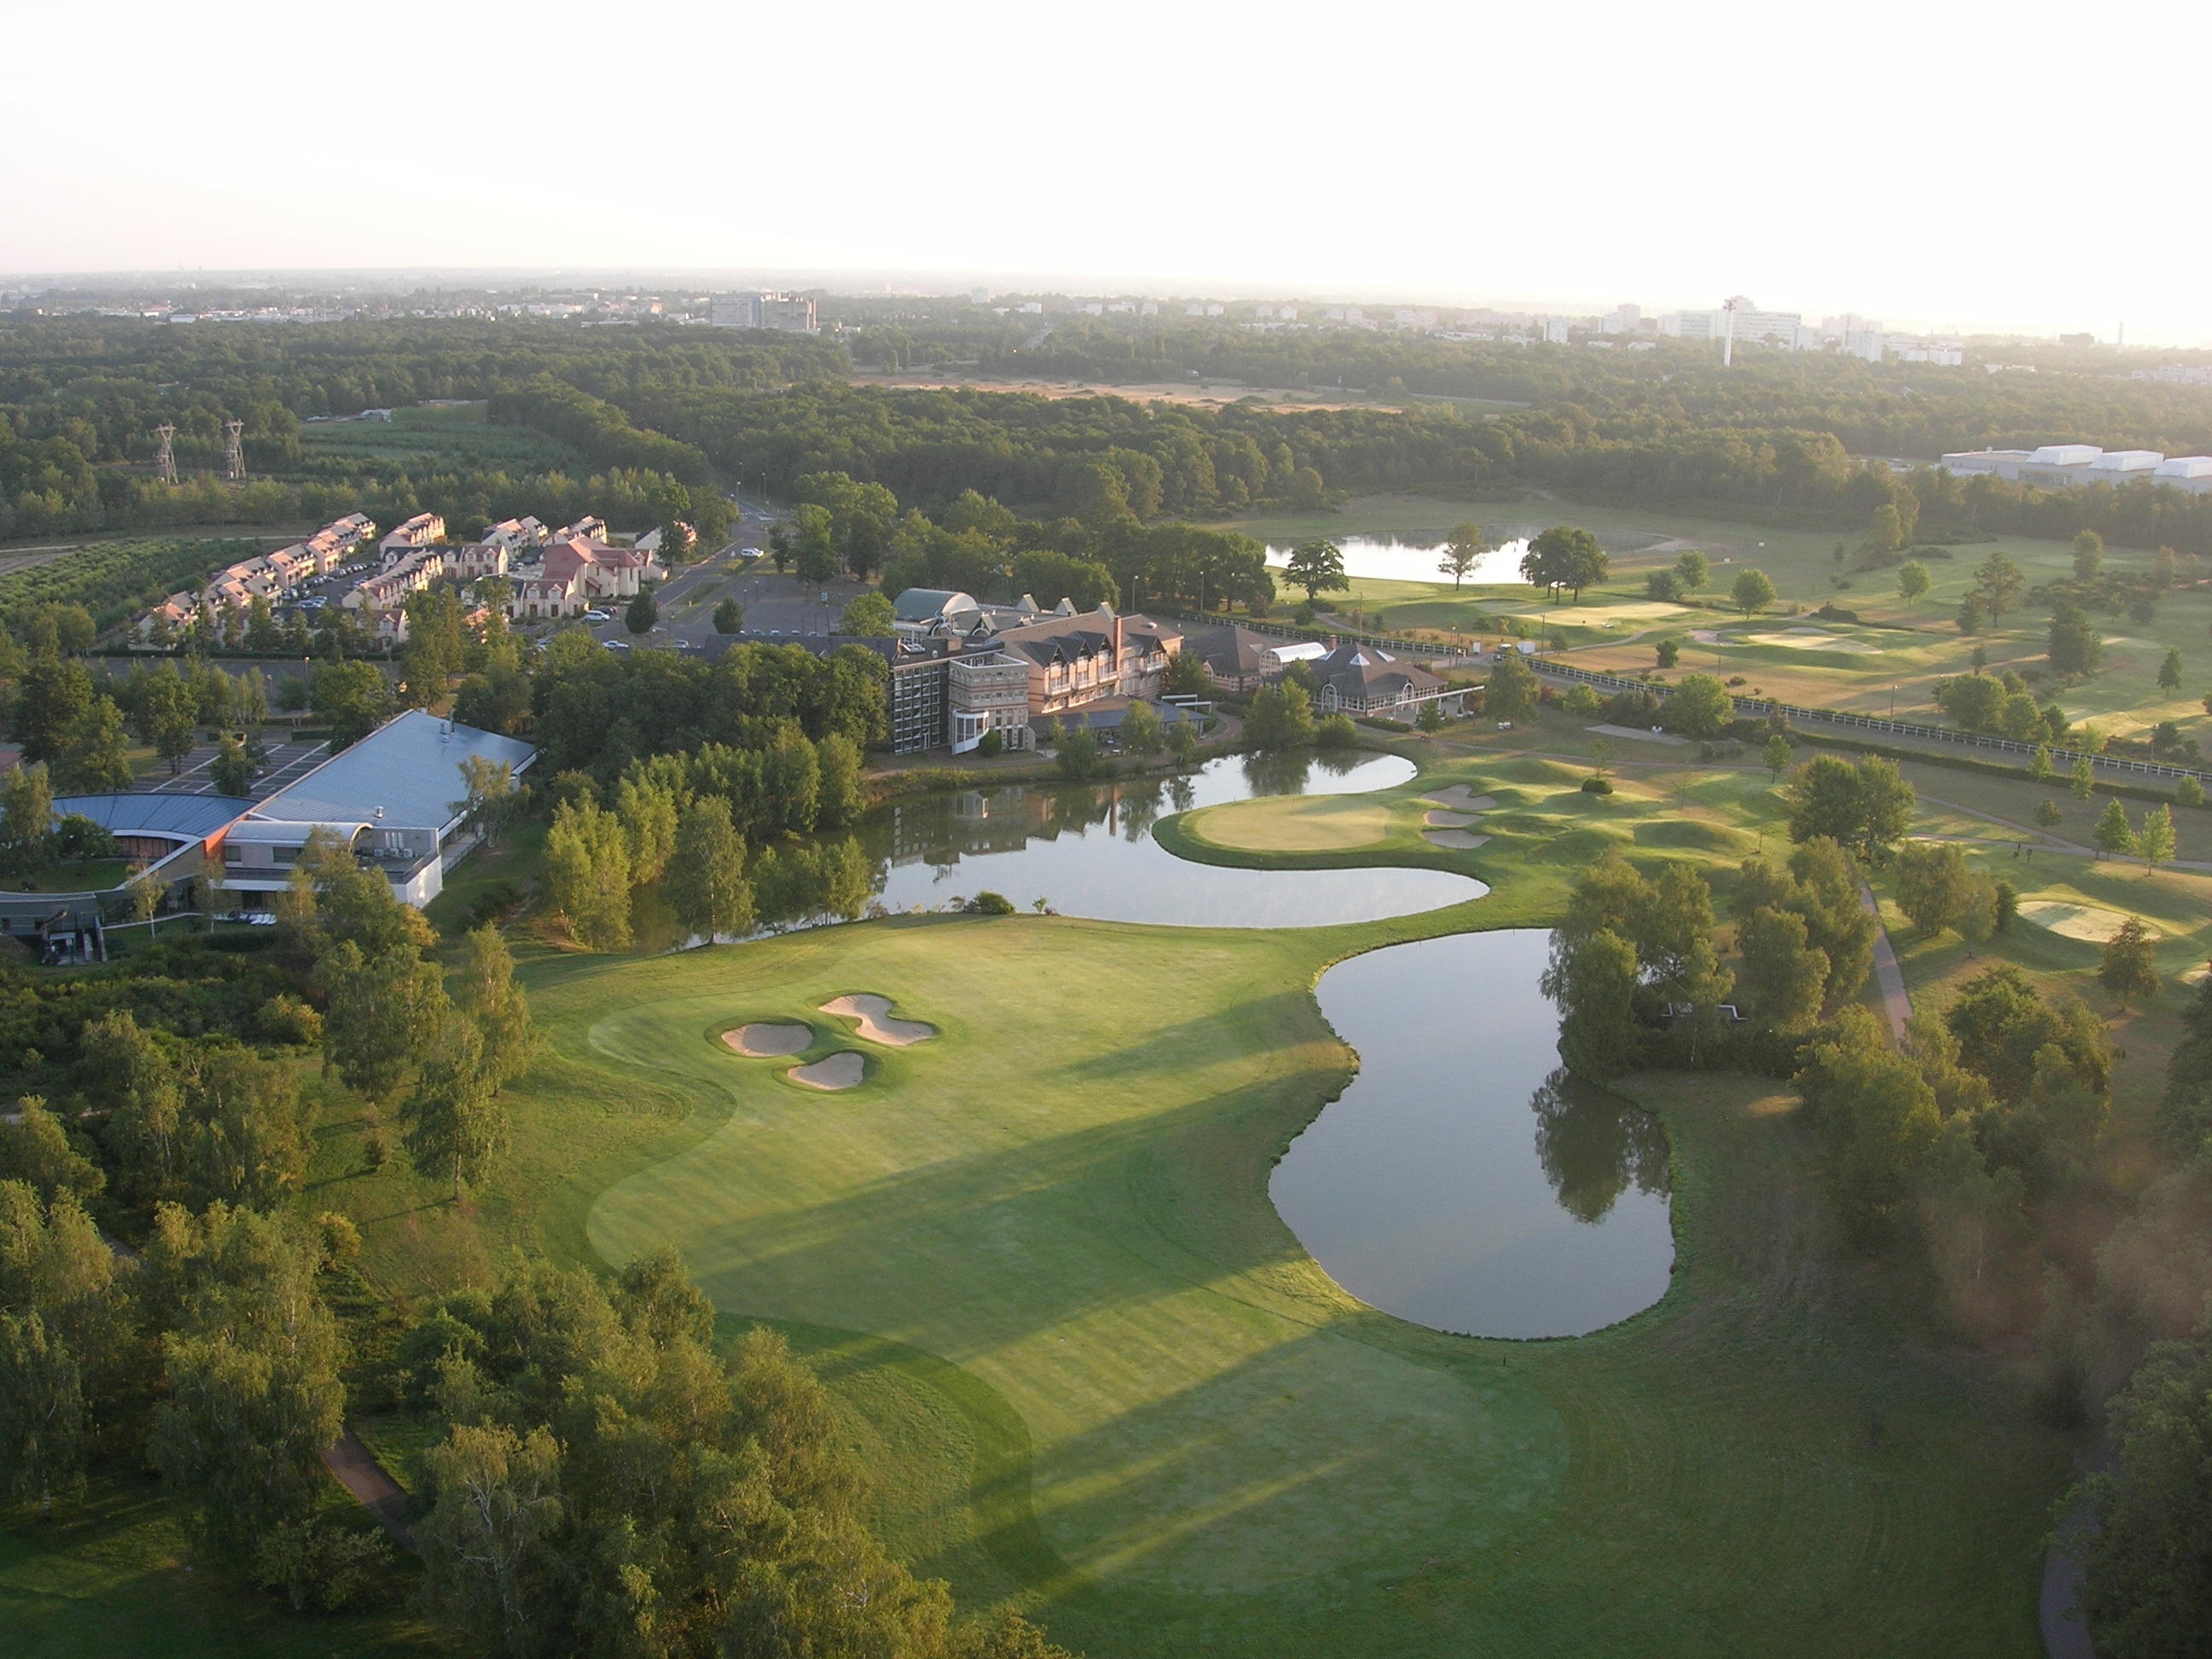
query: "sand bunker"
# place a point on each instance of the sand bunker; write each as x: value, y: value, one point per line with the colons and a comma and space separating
x: 1450, y: 820
x: 766, y: 1042
x: 1462, y: 797
x: 842, y: 1070
x: 2086, y: 922
x: 1458, y: 839
x: 873, y: 1014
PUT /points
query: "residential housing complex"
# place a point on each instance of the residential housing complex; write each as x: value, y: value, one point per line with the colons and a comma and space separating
x: 265, y: 576
x: 580, y: 572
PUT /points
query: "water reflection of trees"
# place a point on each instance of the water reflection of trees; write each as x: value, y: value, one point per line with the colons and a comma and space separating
x: 1593, y: 1145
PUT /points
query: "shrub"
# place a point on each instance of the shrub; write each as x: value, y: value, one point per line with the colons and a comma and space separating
x: 2188, y: 793
x: 1337, y: 732
x: 1597, y: 786
x: 992, y: 744
x: 988, y: 903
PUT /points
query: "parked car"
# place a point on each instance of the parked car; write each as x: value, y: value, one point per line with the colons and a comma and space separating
x: 599, y: 616
x: 749, y: 553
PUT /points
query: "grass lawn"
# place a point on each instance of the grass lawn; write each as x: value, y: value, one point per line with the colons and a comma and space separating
x: 92, y: 876
x: 1064, y: 1198
x: 114, y: 1576
x: 1095, y: 1373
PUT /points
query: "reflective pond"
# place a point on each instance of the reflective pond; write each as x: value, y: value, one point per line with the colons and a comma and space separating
x: 1464, y: 1180
x: 1387, y: 560
x: 1085, y: 851
x: 1090, y: 853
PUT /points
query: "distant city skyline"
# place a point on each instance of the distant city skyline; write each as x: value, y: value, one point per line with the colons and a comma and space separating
x: 1944, y: 181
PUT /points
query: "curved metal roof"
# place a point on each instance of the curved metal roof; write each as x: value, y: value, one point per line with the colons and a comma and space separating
x: 174, y: 817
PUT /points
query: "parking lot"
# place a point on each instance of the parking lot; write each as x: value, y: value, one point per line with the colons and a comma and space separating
x: 287, y: 764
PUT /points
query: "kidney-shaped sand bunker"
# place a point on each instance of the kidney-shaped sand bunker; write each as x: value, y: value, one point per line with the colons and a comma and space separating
x: 766, y: 1042
x: 873, y: 1016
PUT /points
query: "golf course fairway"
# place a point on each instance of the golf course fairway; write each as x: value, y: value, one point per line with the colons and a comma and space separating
x: 1090, y: 1370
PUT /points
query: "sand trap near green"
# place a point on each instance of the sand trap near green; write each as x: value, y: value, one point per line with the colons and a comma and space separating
x: 843, y: 1070
x: 872, y: 1016
x: 1442, y: 820
x: 1294, y: 823
x: 1460, y: 798
x: 1806, y: 639
x: 769, y: 1041
x: 2089, y: 922
x: 1457, y: 840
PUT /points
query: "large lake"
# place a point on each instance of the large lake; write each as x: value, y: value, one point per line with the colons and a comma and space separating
x: 1463, y: 1181
x: 1410, y: 561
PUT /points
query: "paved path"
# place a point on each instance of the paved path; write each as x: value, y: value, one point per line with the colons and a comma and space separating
x: 1887, y: 974
x: 359, y: 1473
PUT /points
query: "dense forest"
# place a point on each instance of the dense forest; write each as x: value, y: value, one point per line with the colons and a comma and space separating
x: 80, y: 399
x: 648, y: 422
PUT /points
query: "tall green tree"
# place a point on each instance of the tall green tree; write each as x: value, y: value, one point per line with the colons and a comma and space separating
x: 2089, y: 556
x: 2114, y: 836
x: 1462, y: 550
x: 450, y: 1122
x: 1511, y: 691
x: 706, y: 876
x: 1752, y: 591
x: 2155, y: 840
x: 1997, y: 584
x: 587, y: 872
x: 1565, y: 557
x: 2129, y: 966
x: 384, y: 1011
x: 2147, y: 1582
x: 483, y: 992
x: 1317, y: 566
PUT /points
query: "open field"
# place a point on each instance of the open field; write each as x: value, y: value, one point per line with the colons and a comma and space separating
x: 454, y: 437
x: 1895, y: 662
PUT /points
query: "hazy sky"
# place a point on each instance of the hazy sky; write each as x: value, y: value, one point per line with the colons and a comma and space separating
x: 1936, y: 163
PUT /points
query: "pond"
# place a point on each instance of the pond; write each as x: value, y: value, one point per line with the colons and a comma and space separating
x: 1386, y: 560
x: 1464, y: 1180
x: 1090, y: 852
x: 1085, y: 851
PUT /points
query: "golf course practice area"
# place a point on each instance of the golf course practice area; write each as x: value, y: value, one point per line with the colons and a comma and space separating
x: 1092, y: 1372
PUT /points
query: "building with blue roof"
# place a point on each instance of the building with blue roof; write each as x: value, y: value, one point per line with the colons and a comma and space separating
x: 398, y: 797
